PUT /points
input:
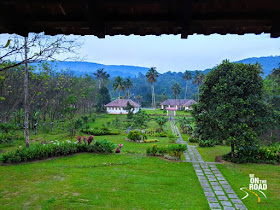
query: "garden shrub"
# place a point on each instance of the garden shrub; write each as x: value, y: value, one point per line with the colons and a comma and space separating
x: 43, y: 151
x: 150, y: 140
x: 174, y: 150
x: 134, y: 135
x: 255, y: 154
x: 207, y: 143
x: 7, y: 137
x: 193, y: 140
x: 97, y: 132
x: 172, y: 138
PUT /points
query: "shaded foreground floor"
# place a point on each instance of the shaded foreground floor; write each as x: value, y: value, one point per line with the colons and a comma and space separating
x: 101, y: 181
x: 217, y: 190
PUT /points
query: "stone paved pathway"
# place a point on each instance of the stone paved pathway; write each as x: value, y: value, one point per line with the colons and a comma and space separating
x: 217, y: 190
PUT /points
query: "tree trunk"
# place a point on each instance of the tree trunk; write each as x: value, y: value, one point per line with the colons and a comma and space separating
x: 26, y: 103
x: 153, y: 97
x: 197, y: 93
x: 119, y: 94
x: 186, y: 90
x: 232, y: 150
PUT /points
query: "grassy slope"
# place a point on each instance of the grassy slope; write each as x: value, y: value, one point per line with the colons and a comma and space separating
x: 209, y: 153
x: 238, y: 176
x: 90, y: 181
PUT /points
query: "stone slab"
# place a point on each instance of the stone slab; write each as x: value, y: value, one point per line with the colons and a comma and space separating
x: 240, y: 206
x: 209, y: 194
x: 229, y: 190
x: 219, y: 192
x: 226, y: 186
x: 215, y: 183
x: 222, y: 198
x: 226, y: 203
x: 212, y: 199
x: 214, y: 205
x: 236, y: 201
x: 217, y: 188
x: 230, y: 195
x: 207, y: 189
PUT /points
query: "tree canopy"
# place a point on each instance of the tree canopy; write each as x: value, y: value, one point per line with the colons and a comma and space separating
x: 231, y: 106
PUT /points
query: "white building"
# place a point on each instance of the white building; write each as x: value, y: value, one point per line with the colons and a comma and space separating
x: 118, y: 106
x: 178, y: 104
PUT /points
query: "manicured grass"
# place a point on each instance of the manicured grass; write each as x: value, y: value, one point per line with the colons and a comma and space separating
x: 91, y: 181
x: 238, y: 176
x: 208, y: 154
x: 161, y: 112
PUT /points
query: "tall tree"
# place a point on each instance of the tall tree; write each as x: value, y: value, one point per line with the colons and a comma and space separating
x: 34, y: 48
x: 151, y: 76
x: 128, y: 86
x: 198, y: 81
x: 101, y: 76
x: 187, y: 76
x: 118, y: 85
x: 176, y: 90
x: 230, y: 109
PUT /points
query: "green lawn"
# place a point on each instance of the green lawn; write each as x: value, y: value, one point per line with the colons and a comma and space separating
x: 161, y: 112
x: 208, y: 154
x: 90, y: 181
x: 238, y: 176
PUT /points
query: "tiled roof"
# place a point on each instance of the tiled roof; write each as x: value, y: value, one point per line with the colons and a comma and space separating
x: 122, y: 103
x: 178, y: 102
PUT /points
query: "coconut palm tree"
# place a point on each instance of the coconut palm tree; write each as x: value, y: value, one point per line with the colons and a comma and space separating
x: 176, y: 89
x: 152, y: 75
x: 198, y: 80
x: 128, y: 86
x: 139, y: 99
x: 118, y: 84
x: 187, y: 76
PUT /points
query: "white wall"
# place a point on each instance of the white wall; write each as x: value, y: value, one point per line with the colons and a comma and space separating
x: 119, y: 110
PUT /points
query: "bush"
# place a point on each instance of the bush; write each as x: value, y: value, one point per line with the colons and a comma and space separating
x: 254, y: 154
x: 43, y: 151
x: 85, y: 118
x: 207, y: 143
x: 172, y: 138
x: 193, y: 140
x: 134, y: 135
x: 7, y: 137
x: 174, y: 150
x: 5, y: 128
x: 97, y: 132
x: 150, y: 140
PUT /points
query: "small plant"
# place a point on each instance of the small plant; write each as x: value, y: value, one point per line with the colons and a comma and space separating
x: 193, y: 140
x: 134, y: 135
x: 152, y: 150
x: 207, y: 143
x: 150, y: 140
x: 79, y: 138
x: 90, y: 139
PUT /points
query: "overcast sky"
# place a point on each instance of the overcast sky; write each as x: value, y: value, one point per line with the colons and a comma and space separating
x: 171, y: 53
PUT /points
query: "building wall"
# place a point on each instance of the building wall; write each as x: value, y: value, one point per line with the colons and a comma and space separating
x: 119, y: 110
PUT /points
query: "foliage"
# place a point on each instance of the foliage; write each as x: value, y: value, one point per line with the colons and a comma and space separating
x: 130, y: 110
x: 161, y: 121
x: 99, y: 132
x: 174, y: 150
x: 185, y: 124
x: 140, y: 119
x: 206, y: 143
x: 176, y: 90
x: 43, y: 151
x: 8, y: 137
x: 103, y: 97
x: 193, y: 139
x: 231, y: 106
x: 150, y: 140
x: 5, y: 128
x: 255, y: 154
x: 134, y: 135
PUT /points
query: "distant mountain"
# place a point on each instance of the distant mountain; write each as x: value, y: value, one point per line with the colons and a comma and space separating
x: 268, y: 63
x: 81, y: 68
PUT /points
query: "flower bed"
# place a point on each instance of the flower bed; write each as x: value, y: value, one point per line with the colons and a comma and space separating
x: 171, y: 152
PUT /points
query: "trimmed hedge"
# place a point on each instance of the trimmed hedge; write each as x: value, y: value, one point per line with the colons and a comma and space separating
x: 44, y: 151
x: 99, y: 132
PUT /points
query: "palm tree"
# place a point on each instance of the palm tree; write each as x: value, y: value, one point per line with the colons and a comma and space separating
x: 176, y: 89
x: 187, y: 76
x: 139, y: 99
x: 128, y: 86
x: 152, y: 75
x: 101, y: 76
x: 118, y: 84
x: 198, y: 80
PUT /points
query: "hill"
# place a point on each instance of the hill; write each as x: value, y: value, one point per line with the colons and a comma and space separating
x: 80, y: 68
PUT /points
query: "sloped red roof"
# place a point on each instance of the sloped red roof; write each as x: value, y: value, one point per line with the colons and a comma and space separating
x: 178, y: 102
x: 122, y: 103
